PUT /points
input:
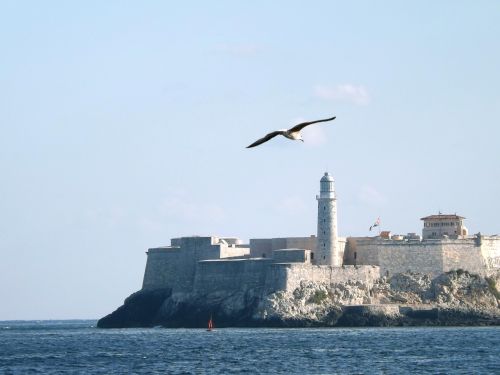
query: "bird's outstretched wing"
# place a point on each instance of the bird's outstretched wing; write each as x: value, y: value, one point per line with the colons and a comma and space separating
x: 302, y: 125
x: 266, y: 138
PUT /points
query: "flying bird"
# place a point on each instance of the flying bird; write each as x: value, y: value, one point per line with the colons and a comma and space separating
x: 292, y: 133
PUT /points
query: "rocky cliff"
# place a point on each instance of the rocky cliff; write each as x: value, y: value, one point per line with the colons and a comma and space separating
x: 454, y: 298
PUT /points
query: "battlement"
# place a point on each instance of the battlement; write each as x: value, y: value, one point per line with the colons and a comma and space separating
x: 267, y: 276
x: 476, y: 254
x: 191, y: 241
x: 175, y: 266
x: 292, y: 256
x: 265, y: 247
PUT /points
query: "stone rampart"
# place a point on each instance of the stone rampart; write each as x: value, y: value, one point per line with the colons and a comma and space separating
x: 175, y: 266
x: 263, y: 275
x: 206, y: 264
x: 292, y: 256
x: 396, y: 256
x: 163, y: 266
x: 490, y: 249
x: 263, y: 247
x: 283, y: 276
x: 463, y: 254
x: 230, y: 275
x: 429, y: 256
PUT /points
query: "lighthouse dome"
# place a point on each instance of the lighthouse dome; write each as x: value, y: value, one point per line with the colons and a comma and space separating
x: 327, y: 177
x: 326, y: 185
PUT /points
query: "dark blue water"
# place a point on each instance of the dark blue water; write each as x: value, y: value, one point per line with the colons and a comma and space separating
x: 74, y: 347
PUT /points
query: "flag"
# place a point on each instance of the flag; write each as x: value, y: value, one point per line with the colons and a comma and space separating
x: 376, y: 224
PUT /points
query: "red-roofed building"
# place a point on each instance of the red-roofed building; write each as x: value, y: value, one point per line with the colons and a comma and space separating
x: 443, y: 225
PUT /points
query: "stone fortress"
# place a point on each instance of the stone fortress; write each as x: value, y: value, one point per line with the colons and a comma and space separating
x: 208, y: 265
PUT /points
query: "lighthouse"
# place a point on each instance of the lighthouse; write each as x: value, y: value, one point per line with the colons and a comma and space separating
x: 327, y: 245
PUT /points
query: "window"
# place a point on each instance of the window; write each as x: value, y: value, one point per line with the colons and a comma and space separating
x: 312, y: 256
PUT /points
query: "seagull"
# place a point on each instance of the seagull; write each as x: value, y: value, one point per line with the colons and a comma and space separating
x: 292, y: 133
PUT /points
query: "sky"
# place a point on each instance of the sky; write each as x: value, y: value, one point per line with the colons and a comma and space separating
x: 124, y: 124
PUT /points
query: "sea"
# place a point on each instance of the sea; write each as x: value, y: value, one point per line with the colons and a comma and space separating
x: 78, y: 347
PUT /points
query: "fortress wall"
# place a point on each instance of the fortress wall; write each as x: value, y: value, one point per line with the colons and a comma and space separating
x: 360, y: 251
x: 342, y: 243
x: 261, y: 247
x: 162, y: 269
x: 175, y: 267
x: 308, y: 243
x: 278, y: 243
x: 233, y: 251
x: 179, y: 268
x: 430, y: 256
x: 277, y: 275
x: 203, y: 248
x: 423, y: 257
x: 291, y: 256
x: 190, y: 241
x: 395, y: 256
x: 463, y: 254
x: 329, y: 274
x: 230, y: 275
x: 241, y: 275
x: 232, y: 240
x: 265, y: 246
x: 490, y: 249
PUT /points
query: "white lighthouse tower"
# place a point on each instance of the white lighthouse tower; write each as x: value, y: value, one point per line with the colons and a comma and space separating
x: 327, y: 246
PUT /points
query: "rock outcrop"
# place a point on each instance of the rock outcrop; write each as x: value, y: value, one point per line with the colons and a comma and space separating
x: 453, y: 298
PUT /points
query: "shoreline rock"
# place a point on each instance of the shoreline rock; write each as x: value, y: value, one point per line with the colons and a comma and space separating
x: 407, y: 299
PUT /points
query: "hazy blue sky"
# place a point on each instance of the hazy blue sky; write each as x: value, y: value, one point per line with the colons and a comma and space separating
x: 123, y: 124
